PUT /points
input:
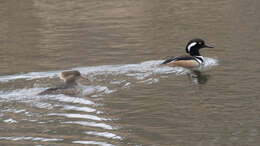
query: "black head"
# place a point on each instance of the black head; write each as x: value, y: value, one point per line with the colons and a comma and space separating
x: 195, y: 45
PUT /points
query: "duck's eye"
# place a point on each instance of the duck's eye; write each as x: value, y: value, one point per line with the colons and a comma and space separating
x: 200, y: 43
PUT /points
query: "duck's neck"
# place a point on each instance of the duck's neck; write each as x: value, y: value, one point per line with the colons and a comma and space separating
x: 195, y: 53
x: 71, y: 82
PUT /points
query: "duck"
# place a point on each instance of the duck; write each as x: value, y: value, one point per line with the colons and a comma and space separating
x: 192, y: 59
x: 70, y: 85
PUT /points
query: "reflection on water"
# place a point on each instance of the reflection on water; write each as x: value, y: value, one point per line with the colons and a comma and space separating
x: 129, y: 99
x: 197, y: 77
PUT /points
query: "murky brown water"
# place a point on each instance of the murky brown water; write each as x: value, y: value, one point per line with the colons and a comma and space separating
x: 129, y: 100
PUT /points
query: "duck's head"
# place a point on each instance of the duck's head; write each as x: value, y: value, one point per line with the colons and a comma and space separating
x: 71, y: 76
x: 195, y: 45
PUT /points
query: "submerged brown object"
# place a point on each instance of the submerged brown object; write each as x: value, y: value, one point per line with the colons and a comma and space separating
x: 69, y: 87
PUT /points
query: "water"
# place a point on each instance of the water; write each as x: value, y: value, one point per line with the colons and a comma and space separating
x: 129, y: 99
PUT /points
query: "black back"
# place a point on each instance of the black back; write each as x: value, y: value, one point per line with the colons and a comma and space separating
x: 178, y: 58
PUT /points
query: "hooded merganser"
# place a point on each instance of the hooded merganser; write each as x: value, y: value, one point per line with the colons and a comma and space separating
x: 194, y: 59
x: 69, y: 87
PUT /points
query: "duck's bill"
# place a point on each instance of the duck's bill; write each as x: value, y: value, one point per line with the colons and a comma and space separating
x: 206, y: 46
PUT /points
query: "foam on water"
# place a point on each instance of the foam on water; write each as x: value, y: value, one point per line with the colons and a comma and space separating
x: 91, y: 124
x: 104, y: 134
x: 92, y: 143
x: 143, y: 72
x: 81, y: 109
x: 10, y: 121
x: 140, y: 71
x: 27, y: 94
x: 96, y: 90
x: 104, y: 80
x: 16, y: 138
x: 69, y: 99
x: 30, y: 76
x: 18, y: 94
x: 79, y: 116
x: 210, y: 62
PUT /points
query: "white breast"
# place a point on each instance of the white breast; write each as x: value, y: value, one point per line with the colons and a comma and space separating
x: 199, y: 59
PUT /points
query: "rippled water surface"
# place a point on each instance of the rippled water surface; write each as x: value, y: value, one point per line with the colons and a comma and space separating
x: 129, y: 99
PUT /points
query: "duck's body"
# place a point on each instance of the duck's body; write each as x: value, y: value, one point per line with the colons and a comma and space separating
x: 184, y: 61
x: 65, y: 89
x: 193, y: 60
x: 70, y: 84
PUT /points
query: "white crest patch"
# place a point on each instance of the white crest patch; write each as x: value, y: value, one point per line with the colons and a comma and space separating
x: 191, y: 45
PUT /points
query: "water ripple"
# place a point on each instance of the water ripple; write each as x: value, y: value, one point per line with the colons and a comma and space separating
x: 14, y: 138
x: 104, y: 134
x: 81, y: 109
x: 81, y: 116
x: 10, y: 121
x: 93, y: 143
x: 91, y: 124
